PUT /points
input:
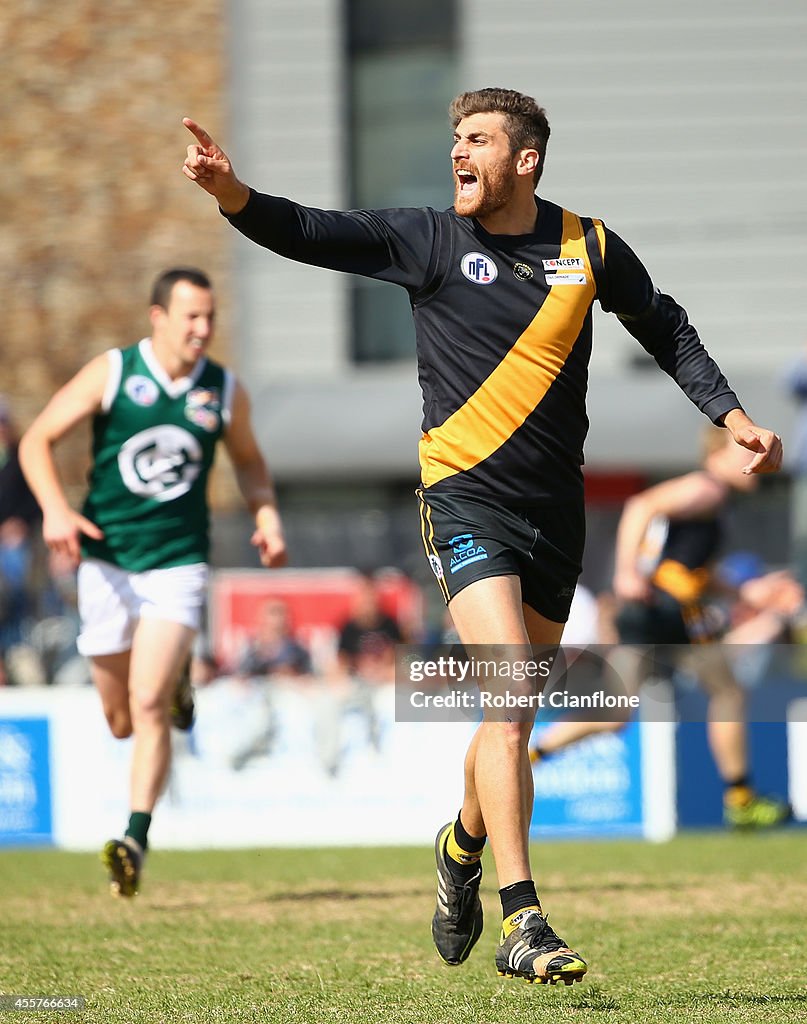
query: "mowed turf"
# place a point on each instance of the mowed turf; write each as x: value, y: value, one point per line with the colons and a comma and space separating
x: 704, y: 928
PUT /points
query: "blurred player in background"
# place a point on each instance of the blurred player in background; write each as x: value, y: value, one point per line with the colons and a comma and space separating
x: 158, y: 409
x: 502, y: 288
x: 668, y: 540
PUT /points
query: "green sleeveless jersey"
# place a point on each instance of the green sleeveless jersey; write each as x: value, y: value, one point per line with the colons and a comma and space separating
x: 154, y: 442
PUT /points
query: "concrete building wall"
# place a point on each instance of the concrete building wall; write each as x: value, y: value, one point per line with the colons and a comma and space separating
x: 680, y: 125
x: 288, y: 138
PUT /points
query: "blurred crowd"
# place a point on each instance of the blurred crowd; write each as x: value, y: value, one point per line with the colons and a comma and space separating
x: 38, y: 613
x: 751, y: 603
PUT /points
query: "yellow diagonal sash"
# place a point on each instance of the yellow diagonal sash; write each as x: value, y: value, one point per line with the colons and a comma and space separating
x: 503, y: 401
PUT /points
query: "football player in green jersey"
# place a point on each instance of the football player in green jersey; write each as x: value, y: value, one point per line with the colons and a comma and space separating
x: 141, y: 542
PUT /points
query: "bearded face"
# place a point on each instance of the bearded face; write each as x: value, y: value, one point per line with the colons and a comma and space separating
x: 484, y: 164
x: 483, y: 187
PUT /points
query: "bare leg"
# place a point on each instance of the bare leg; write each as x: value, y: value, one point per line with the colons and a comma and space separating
x: 110, y: 674
x: 159, y: 651
x: 726, y: 729
x: 498, y: 794
x: 729, y: 748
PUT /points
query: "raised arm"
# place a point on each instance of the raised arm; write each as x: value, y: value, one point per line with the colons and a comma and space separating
x: 79, y: 399
x: 389, y: 245
x: 209, y: 166
x: 255, y: 482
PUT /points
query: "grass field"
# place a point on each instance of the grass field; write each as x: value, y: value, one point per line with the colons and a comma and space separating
x: 705, y: 928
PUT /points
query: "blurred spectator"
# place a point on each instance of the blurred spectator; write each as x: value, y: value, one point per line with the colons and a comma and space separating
x: 367, y: 639
x: 15, y: 565
x: 55, y: 634
x: 18, y: 513
x: 16, y: 499
x: 273, y: 650
x: 365, y: 658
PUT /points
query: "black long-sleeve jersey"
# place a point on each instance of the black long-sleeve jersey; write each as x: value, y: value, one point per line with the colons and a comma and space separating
x: 503, y: 328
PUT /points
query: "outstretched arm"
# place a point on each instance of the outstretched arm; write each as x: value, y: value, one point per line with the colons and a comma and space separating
x: 255, y: 482
x: 389, y: 245
x: 209, y: 166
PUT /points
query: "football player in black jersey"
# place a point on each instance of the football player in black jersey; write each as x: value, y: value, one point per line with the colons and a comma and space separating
x: 501, y: 287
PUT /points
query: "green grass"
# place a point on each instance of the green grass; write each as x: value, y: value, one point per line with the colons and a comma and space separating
x: 706, y: 928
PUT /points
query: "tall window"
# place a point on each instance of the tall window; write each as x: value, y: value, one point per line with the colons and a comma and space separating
x: 402, y: 78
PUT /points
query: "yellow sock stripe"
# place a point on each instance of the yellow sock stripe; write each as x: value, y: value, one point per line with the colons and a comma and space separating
x: 503, y: 401
x: 428, y: 542
x: 457, y: 853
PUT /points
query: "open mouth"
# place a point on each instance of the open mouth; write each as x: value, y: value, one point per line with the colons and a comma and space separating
x: 467, y: 182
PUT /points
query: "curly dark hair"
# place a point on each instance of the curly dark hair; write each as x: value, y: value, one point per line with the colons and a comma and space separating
x: 524, y: 120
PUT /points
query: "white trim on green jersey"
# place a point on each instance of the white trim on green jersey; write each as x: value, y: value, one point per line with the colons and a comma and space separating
x: 115, y: 357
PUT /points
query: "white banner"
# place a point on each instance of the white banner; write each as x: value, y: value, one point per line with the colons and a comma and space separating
x: 264, y: 766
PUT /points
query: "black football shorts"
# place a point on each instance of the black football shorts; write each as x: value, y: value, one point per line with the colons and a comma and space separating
x: 469, y: 538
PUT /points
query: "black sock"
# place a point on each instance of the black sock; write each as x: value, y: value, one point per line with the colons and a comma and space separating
x: 463, y: 853
x: 138, y: 829
x: 518, y: 896
x: 473, y: 844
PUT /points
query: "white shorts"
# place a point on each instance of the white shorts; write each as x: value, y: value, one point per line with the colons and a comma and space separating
x: 112, y: 600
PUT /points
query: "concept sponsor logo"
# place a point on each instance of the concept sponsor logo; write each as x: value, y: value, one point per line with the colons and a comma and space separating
x: 522, y: 271
x: 464, y: 551
x: 437, y: 566
x: 204, y: 396
x: 202, y: 407
x: 161, y: 462
x: 565, y: 263
x: 142, y: 390
x: 479, y: 268
x: 553, y: 279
